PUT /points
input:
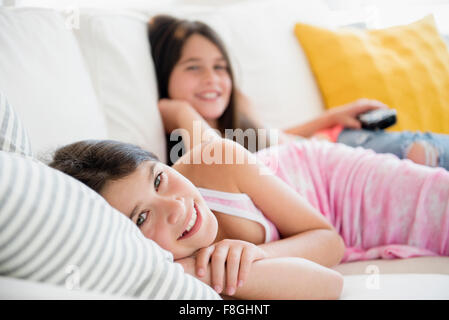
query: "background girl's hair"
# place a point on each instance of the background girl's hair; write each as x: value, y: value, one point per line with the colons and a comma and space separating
x: 167, y: 36
x: 94, y: 162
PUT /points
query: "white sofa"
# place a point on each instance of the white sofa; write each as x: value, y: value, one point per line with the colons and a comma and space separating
x: 81, y: 73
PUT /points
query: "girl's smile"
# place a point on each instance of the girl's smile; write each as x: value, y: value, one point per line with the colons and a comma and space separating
x: 194, y: 223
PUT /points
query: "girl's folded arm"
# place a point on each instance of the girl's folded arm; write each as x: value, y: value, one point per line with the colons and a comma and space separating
x: 282, y: 278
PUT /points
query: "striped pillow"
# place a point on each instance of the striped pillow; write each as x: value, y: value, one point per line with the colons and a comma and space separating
x: 13, y: 137
x: 54, y: 229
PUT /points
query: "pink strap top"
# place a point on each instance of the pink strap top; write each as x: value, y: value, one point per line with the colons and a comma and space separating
x: 240, y: 205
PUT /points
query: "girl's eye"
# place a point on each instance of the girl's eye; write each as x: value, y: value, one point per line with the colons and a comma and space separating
x: 141, y: 218
x: 221, y: 67
x: 157, y: 181
x: 193, y: 68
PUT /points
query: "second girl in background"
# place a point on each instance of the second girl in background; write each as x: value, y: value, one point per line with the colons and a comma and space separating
x: 193, y: 69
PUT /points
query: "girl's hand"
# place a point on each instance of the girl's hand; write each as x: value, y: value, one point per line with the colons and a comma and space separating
x: 346, y: 115
x: 234, y: 255
x: 170, y: 111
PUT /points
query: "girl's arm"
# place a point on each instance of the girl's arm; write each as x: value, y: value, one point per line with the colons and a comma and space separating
x: 305, y: 231
x: 309, y: 128
x: 282, y: 278
x: 345, y: 115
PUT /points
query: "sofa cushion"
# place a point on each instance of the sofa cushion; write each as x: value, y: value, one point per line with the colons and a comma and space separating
x: 406, y: 67
x: 54, y: 229
x: 43, y: 74
x: 409, y: 265
x: 116, y: 48
x: 410, y: 286
x: 13, y: 136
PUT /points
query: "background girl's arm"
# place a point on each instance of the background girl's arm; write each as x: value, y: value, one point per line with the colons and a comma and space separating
x: 282, y: 278
x: 309, y: 128
x: 345, y: 115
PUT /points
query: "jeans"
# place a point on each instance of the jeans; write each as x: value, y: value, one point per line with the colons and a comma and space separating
x: 398, y: 143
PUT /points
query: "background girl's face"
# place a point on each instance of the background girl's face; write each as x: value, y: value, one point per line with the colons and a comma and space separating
x: 166, y: 206
x: 201, y: 78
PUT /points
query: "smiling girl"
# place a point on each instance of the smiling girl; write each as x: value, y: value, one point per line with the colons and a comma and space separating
x: 230, y: 252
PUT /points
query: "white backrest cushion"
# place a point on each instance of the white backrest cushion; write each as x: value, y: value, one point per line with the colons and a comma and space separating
x: 54, y: 229
x: 44, y: 76
x: 270, y: 65
x: 116, y: 48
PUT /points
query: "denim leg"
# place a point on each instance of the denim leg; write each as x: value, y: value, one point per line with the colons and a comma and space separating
x: 397, y: 143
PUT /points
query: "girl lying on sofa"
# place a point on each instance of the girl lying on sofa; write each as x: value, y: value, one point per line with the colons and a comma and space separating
x: 193, y: 68
x: 268, y: 225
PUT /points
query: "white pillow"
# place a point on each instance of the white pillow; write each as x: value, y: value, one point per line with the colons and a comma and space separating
x: 56, y: 230
x: 13, y: 136
x: 117, y: 51
x: 43, y: 74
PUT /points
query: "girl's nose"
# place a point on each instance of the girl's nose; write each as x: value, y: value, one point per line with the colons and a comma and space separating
x: 210, y: 76
x: 174, y: 208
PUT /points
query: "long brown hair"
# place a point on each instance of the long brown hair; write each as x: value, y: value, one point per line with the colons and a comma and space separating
x: 94, y: 162
x: 167, y: 36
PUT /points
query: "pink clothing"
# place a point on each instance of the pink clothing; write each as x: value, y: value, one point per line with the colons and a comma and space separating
x: 382, y: 207
x: 331, y: 133
x: 240, y: 205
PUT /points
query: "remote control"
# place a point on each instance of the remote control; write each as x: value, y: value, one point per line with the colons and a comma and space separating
x: 378, y: 119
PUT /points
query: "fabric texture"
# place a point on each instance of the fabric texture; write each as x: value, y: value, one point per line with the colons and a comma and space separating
x: 239, y: 205
x: 405, y: 67
x: 13, y: 136
x: 382, y: 207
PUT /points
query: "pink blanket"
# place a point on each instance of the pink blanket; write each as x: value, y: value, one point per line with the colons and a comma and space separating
x: 383, y: 207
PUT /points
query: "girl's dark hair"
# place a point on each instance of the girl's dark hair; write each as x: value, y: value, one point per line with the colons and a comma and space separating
x: 167, y: 36
x: 94, y: 162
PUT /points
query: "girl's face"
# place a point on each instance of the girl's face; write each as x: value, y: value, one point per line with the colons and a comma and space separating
x: 201, y: 78
x: 166, y: 206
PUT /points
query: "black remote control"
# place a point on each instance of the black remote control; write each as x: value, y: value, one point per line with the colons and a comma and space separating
x: 378, y: 119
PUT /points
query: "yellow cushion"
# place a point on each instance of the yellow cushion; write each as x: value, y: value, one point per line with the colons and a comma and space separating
x: 406, y: 67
